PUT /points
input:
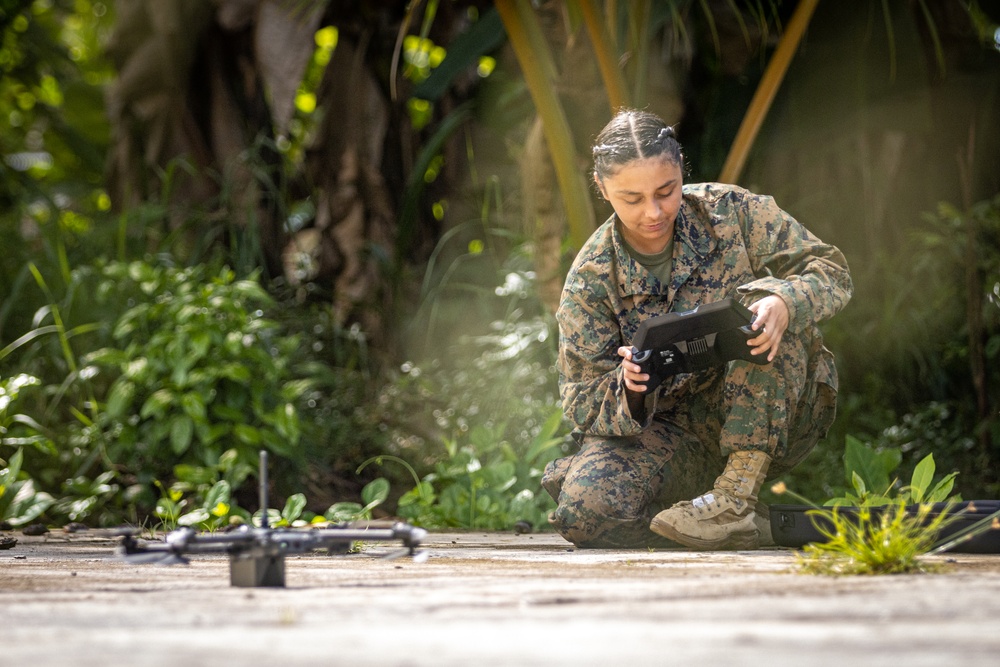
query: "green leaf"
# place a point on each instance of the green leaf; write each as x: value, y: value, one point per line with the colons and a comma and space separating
x: 375, y: 492
x: 157, y: 404
x: 229, y: 459
x: 236, y: 372
x: 226, y: 413
x: 923, y: 475
x: 194, y: 405
x: 106, y: 357
x: 464, y: 51
x: 286, y: 422
x: 293, y: 507
x: 247, y: 434
x: 194, y: 475
x: 295, y: 389
x: 273, y: 517
x: 862, y: 459
x: 551, y: 426
x: 181, y: 430
x: 13, y: 468
x: 888, y: 460
x: 196, y: 516
x: 859, y: 484
x: 344, y: 511
x: 219, y: 493
x: 31, y: 507
x: 421, y: 494
x: 942, y: 490
x: 201, y: 342
x: 120, y: 398
x: 522, y: 504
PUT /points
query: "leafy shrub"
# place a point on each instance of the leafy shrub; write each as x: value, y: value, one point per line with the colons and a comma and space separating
x: 338, y: 423
x: 486, y: 483
x: 150, y: 375
x: 82, y: 499
x: 868, y: 470
x: 198, y: 370
x: 881, y: 528
x: 373, y: 494
x: 16, y: 428
x: 20, y: 501
x: 201, y: 496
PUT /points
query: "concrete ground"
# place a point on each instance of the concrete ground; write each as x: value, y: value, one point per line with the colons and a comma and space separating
x: 489, y: 599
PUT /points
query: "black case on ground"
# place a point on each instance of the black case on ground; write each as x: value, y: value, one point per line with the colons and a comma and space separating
x: 792, y: 527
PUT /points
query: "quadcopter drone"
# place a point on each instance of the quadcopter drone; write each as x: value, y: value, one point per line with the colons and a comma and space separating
x: 257, y: 554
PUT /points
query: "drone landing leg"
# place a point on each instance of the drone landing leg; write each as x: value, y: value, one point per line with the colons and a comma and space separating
x: 250, y: 571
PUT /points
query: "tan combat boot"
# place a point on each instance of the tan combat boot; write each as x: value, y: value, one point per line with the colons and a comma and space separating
x: 723, y: 518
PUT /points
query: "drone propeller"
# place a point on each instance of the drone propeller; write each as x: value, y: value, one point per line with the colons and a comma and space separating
x: 419, y: 556
x: 117, y: 531
x: 154, y: 557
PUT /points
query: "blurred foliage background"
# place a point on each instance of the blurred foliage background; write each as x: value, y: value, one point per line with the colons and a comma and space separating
x: 337, y: 231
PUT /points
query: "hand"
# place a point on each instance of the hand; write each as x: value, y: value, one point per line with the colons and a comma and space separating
x: 772, y: 322
x: 631, y: 371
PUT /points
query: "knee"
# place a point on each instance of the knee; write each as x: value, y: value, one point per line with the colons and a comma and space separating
x: 574, y: 526
x: 584, y: 521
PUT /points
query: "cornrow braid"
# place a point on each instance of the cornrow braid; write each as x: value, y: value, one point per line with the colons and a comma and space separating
x: 634, y: 135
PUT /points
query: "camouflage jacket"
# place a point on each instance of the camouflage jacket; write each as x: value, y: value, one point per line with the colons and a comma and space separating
x: 727, y: 242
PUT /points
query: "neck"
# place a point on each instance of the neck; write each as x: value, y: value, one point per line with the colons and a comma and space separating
x: 646, y: 246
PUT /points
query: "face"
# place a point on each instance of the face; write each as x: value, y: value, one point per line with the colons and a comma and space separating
x: 646, y: 195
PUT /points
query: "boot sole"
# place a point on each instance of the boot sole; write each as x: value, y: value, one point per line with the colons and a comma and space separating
x: 732, y: 541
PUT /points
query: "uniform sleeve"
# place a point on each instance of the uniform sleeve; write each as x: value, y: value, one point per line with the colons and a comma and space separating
x: 810, y: 276
x: 590, y: 376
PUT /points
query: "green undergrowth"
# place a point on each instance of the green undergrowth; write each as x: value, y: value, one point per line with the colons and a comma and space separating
x: 883, y: 527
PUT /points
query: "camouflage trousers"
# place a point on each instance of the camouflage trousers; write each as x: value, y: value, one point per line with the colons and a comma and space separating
x: 608, y: 492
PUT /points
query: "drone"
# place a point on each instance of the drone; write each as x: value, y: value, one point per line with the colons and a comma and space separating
x: 257, y: 554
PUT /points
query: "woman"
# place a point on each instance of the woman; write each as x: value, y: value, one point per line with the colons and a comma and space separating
x: 684, y: 463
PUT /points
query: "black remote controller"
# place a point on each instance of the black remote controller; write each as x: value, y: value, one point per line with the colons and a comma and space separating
x: 709, y: 335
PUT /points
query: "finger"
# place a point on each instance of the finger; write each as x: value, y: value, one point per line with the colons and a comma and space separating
x: 760, y: 344
x: 634, y: 386
x: 634, y: 372
x: 774, y: 348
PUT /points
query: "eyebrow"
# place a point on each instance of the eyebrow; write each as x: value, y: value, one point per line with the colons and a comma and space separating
x: 626, y: 193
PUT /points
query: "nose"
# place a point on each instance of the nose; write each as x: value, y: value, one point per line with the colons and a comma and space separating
x: 653, y: 208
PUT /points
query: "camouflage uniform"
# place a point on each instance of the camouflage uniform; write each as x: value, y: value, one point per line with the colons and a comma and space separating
x: 727, y: 242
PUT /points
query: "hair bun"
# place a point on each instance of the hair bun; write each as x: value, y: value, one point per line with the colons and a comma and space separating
x: 602, y: 150
x: 665, y: 133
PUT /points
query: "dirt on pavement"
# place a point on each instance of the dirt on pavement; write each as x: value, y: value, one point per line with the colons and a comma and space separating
x: 488, y: 599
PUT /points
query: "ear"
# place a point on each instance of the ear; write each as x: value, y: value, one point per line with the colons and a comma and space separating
x: 600, y: 186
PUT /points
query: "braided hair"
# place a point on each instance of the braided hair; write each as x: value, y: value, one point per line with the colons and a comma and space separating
x: 634, y: 135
